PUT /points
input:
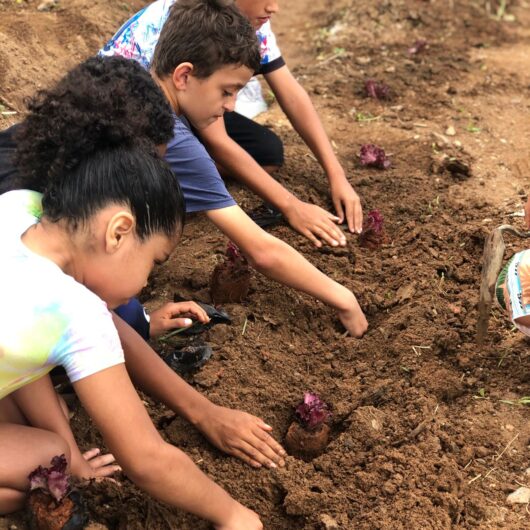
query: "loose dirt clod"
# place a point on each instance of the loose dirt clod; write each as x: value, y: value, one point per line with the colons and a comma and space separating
x: 230, y: 280
x: 306, y: 444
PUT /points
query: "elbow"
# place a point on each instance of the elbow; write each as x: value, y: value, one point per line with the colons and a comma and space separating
x: 265, y: 256
x: 152, y: 462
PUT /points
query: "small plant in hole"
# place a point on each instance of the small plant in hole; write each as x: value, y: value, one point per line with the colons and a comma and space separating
x: 373, y: 156
x: 308, y: 435
x: 230, y: 280
x: 373, y: 234
x: 376, y: 90
x: 52, y: 504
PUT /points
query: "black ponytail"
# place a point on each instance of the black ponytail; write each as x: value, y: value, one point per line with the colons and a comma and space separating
x: 120, y: 175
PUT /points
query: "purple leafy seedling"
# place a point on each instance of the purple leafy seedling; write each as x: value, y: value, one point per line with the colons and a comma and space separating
x: 373, y: 229
x: 418, y: 46
x: 376, y: 89
x: 373, y: 156
x: 312, y: 412
x: 234, y: 256
x: 53, y: 480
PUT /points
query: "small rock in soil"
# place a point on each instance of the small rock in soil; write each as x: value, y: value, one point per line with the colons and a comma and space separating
x: 519, y: 496
x: 47, y: 5
x: 328, y: 522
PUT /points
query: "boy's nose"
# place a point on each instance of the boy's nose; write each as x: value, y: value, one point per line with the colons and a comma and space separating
x: 230, y: 105
x: 272, y: 7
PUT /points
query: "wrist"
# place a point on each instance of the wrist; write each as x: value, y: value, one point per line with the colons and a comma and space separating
x: 80, y: 469
x: 289, y: 205
x: 231, y: 516
x: 201, y: 414
x: 336, y: 175
x: 346, y: 300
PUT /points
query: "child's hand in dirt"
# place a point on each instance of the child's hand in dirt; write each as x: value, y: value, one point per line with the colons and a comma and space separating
x: 315, y: 223
x: 353, y: 320
x: 241, y: 519
x: 95, y: 465
x: 242, y: 435
x: 347, y: 203
x: 171, y: 316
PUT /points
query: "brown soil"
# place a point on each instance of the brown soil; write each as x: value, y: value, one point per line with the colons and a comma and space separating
x: 426, y: 432
x: 45, y: 514
x: 306, y: 444
x: 229, y: 282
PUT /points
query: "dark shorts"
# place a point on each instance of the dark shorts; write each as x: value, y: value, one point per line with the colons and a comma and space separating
x: 258, y: 141
x: 134, y: 314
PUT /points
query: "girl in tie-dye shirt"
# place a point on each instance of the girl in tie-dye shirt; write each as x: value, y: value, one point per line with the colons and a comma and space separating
x: 110, y: 210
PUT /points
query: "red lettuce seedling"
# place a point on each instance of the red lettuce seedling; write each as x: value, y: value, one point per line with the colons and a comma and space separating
x: 312, y: 412
x: 373, y: 156
x: 233, y: 254
x: 373, y: 234
x: 230, y: 280
x: 53, y: 480
x: 418, y: 46
x: 376, y: 89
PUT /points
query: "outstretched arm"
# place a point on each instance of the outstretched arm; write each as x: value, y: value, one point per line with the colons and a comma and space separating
x: 309, y: 220
x: 235, y: 432
x: 278, y: 261
x: 298, y: 107
x: 154, y: 465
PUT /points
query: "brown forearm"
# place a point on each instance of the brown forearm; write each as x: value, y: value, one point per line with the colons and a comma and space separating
x: 153, y: 376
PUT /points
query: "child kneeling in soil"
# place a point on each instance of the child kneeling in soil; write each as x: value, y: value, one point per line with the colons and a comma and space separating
x: 246, y: 150
x: 120, y: 101
x: 205, y: 53
x: 88, y: 243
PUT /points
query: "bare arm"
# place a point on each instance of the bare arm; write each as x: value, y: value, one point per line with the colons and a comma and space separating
x: 235, y: 432
x: 308, y: 219
x: 298, y: 107
x: 278, y: 261
x: 157, y: 467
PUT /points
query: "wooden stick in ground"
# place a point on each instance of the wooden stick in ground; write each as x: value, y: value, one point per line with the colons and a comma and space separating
x: 491, y: 266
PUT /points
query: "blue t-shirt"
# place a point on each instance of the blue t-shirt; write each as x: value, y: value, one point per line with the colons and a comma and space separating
x: 201, y: 184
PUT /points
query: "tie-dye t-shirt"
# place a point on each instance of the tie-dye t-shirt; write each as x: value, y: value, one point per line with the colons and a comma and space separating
x: 137, y: 38
x: 47, y: 318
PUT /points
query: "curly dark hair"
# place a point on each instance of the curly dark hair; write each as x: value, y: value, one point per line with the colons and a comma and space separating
x: 209, y: 34
x: 101, y: 103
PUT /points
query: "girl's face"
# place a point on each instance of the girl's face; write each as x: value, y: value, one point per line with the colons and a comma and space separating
x: 118, y: 267
x: 258, y: 11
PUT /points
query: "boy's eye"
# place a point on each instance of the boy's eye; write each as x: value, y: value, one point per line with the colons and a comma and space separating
x: 227, y: 94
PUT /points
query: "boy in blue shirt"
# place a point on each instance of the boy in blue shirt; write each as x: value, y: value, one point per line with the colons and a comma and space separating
x: 250, y: 151
x: 201, y: 68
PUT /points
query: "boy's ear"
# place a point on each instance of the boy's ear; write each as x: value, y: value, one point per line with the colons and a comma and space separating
x: 181, y: 75
x: 120, y: 226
